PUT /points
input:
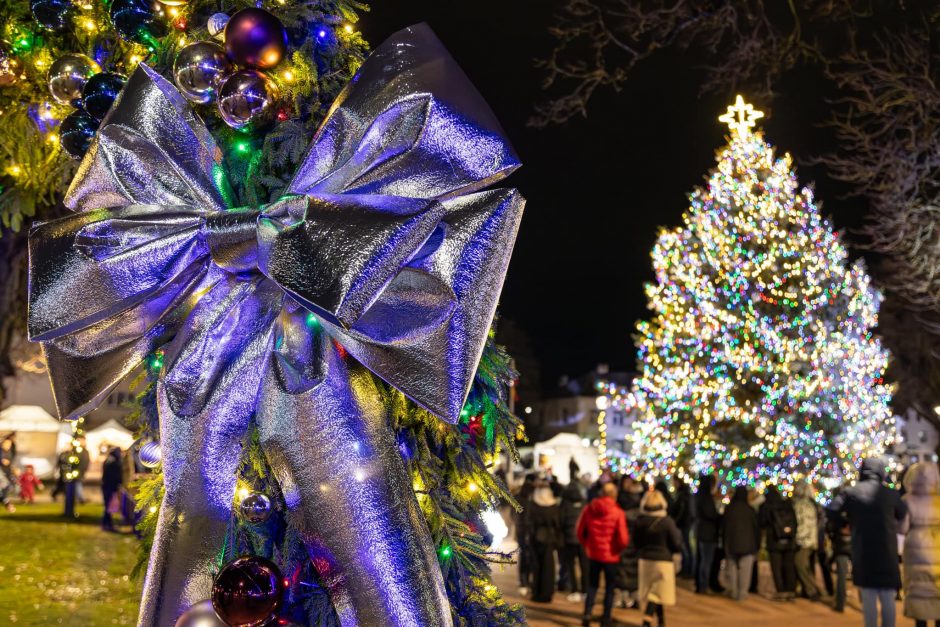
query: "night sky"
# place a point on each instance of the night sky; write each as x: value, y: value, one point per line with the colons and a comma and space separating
x: 598, y: 188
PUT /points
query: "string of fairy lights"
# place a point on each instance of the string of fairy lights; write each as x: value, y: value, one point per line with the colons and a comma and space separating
x: 759, y: 362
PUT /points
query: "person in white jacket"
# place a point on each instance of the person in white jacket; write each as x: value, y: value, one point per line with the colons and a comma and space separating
x: 921, y: 563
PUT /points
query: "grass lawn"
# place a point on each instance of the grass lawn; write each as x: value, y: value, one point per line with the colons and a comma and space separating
x: 54, y: 572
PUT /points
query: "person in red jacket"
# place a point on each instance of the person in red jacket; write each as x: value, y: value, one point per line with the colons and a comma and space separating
x: 28, y: 484
x: 602, y: 529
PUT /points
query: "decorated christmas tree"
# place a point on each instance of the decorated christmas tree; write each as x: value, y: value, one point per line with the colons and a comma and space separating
x: 305, y: 311
x: 759, y: 362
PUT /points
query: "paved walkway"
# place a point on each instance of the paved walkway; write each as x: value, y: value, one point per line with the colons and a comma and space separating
x: 696, y: 610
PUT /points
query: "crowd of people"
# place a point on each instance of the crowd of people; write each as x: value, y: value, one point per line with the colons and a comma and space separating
x: 119, y: 468
x: 639, y: 539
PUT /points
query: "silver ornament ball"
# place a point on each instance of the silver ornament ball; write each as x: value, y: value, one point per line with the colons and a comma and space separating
x: 216, y: 25
x: 150, y: 454
x: 200, y: 615
x: 68, y: 75
x: 247, y: 99
x: 199, y: 70
x: 255, y: 508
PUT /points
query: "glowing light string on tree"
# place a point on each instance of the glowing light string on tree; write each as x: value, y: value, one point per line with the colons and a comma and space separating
x: 759, y: 361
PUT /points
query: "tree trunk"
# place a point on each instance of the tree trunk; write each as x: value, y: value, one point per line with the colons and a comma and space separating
x: 13, y: 280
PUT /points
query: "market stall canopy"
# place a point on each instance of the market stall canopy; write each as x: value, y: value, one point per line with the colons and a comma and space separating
x: 111, y: 433
x: 557, y: 452
x: 27, y: 418
x: 36, y: 434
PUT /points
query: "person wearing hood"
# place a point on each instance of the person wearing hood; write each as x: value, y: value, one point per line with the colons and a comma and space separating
x: 922, y: 544
x: 628, y: 582
x: 602, y: 530
x: 657, y: 539
x: 874, y: 512
x: 543, y: 523
x: 807, y: 538
x: 777, y: 517
x: 573, y: 500
x: 707, y: 521
x: 741, y: 536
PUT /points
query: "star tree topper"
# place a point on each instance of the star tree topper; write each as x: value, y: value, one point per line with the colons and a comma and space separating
x: 741, y: 117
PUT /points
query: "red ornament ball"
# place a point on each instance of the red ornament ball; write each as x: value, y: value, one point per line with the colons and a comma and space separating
x: 255, y: 38
x: 248, y: 592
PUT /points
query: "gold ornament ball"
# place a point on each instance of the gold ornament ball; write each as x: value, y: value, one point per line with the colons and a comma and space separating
x: 10, y: 70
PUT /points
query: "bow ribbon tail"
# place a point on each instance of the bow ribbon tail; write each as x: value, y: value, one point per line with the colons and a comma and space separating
x: 350, y: 495
x: 201, y: 435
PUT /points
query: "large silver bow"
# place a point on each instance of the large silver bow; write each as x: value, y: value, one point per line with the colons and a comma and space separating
x: 383, y: 240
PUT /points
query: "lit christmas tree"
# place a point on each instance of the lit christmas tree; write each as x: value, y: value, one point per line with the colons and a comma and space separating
x: 759, y: 361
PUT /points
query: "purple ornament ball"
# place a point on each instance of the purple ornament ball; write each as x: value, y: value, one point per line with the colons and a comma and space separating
x: 255, y: 38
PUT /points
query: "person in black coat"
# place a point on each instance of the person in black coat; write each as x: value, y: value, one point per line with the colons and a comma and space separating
x: 741, y: 537
x: 628, y: 580
x: 657, y: 540
x: 681, y: 513
x: 110, y: 483
x: 707, y: 521
x: 778, y: 518
x: 873, y: 511
x: 543, y: 525
x: 522, y: 534
x: 840, y: 538
x: 571, y: 579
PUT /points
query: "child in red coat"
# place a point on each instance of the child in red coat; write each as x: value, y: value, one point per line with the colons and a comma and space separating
x: 28, y: 484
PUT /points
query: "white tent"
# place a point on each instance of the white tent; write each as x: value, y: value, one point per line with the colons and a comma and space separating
x: 36, y: 436
x: 102, y: 439
x: 556, y: 452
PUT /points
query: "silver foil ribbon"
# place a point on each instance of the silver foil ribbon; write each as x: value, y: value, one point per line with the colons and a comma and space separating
x: 384, y: 243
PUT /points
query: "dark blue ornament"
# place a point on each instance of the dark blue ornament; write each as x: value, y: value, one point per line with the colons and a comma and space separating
x: 99, y: 93
x: 150, y: 454
x: 76, y: 132
x: 137, y: 21
x: 52, y: 14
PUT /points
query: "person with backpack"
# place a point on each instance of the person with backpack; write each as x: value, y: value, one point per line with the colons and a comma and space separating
x: 777, y: 517
x: 741, y: 535
x: 602, y: 530
x: 807, y: 538
x: 874, y: 512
